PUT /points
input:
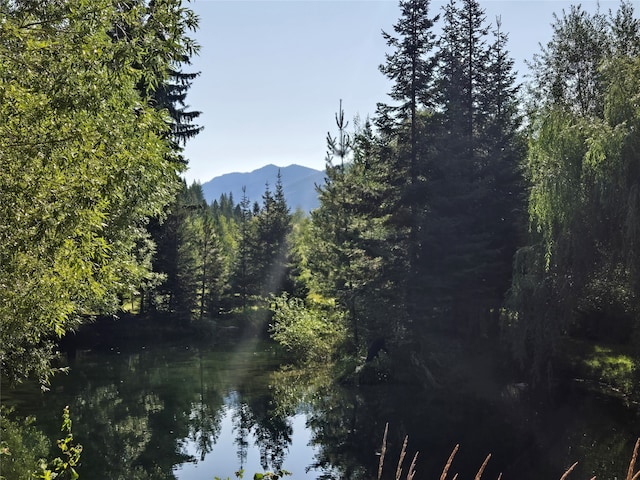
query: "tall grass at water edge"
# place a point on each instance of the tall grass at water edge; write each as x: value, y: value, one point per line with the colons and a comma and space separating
x: 631, y: 473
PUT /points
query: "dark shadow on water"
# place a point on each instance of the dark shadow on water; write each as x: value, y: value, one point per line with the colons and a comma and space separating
x: 168, y: 410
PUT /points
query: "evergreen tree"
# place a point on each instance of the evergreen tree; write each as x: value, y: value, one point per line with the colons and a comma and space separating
x: 171, y: 95
x: 273, y: 225
x: 242, y: 280
x: 191, y: 257
x: 165, y: 234
x: 503, y: 214
x: 176, y: 258
x: 473, y: 187
x: 411, y: 69
x: 332, y: 223
x: 354, y: 258
x: 211, y: 266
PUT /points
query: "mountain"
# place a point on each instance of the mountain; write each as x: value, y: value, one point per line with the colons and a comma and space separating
x: 298, y: 183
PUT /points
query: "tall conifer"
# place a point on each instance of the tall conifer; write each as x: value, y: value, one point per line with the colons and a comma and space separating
x: 465, y: 260
x: 410, y: 67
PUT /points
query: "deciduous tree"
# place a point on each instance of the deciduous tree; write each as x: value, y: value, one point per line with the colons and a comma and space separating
x: 84, y: 161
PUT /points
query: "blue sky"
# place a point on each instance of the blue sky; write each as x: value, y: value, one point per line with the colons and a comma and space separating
x: 273, y: 72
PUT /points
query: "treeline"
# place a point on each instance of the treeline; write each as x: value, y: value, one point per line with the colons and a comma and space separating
x: 421, y: 211
x: 475, y: 207
x: 468, y: 205
x: 423, y: 207
x: 220, y: 258
x: 577, y: 275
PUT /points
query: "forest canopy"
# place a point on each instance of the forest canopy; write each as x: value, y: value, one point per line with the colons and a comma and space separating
x: 468, y: 205
x: 471, y: 219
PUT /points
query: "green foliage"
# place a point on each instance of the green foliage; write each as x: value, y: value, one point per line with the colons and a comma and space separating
x: 615, y: 370
x: 411, y: 67
x: 607, y: 368
x: 194, y: 246
x: 85, y: 162
x: 308, y: 333
x: 222, y: 257
x: 22, y: 443
x: 261, y: 476
x: 262, y: 262
x: 566, y: 71
x: 418, y: 221
x: 271, y: 475
x: 239, y: 474
x: 354, y: 255
x: 63, y: 467
x: 271, y: 242
x: 469, y: 221
x: 583, y: 164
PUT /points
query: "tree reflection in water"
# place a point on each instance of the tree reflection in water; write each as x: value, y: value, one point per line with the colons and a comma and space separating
x: 177, y: 412
x: 147, y: 413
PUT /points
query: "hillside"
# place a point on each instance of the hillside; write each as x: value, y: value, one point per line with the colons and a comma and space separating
x: 298, y: 183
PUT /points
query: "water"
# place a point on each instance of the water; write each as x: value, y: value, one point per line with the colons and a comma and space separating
x: 186, y: 413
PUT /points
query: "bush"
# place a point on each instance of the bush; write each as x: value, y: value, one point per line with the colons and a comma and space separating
x: 309, y: 333
x: 22, y: 444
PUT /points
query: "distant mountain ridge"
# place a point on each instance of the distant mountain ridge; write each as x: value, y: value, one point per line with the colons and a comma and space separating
x: 298, y: 183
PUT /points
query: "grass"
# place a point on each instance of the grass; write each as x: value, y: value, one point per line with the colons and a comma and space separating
x: 631, y: 472
x: 610, y: 366
x: 613, y: 368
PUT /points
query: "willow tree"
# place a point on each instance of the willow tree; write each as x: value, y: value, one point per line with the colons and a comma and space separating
x: 579, y: 273
x: 85, y: 162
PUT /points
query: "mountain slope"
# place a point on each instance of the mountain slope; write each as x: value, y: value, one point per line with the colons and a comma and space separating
x: 298, y: 183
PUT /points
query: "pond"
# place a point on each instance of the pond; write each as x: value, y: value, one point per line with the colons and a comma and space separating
x: 182, y: 412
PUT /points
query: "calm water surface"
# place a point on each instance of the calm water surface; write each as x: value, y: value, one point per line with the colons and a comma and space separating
x: 186, y: 413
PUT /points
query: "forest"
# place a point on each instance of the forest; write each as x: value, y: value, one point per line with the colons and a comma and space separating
x: 467, y: 210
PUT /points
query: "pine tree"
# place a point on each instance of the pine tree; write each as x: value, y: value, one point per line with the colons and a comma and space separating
x: 171, y: 95
x: 355, y: 258
x: 242, y: 279
x: 503, y: 208
x: 211, y: 264
x: 164, y: 88
x: 273, y: 225
x: 470, y: 229
x: 332, y: 222
x: 411, y: 67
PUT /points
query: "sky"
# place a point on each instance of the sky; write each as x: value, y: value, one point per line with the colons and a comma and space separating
x: 272, y: 72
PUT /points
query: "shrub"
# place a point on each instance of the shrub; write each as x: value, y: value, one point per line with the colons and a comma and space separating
x: 309, y: 333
